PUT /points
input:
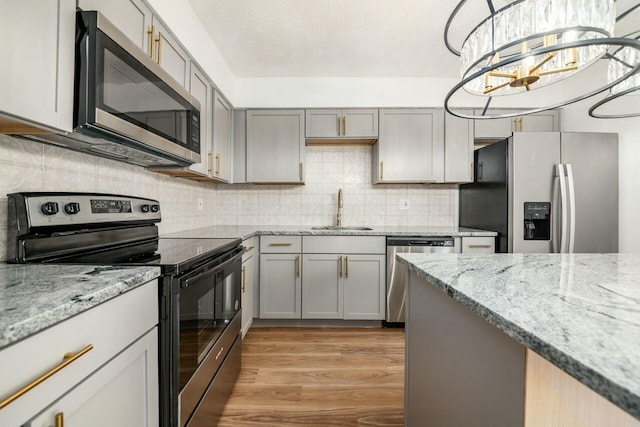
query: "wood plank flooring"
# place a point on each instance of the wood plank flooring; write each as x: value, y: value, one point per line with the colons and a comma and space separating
x: 319, y: 377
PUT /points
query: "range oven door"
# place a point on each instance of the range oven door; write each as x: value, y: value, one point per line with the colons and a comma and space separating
x: 208, y: 308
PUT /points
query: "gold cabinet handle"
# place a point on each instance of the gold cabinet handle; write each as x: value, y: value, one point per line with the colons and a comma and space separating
x: 344, y: 125
x: 480, y: 246
x: 340, y: 266
x: 159, y: 41
x: 280, y: 244
x: 210, y: 168
x: 60, y: 419
x: 338, y: 120
x: 381, y: 171
x: 244, y: 278
x: 298, y: 266
x: 301, y: 171
x: 67, y: 359
x: 346, y: 267
x: 150, y: 33
x: 250, y: 248
x: 218, y: 164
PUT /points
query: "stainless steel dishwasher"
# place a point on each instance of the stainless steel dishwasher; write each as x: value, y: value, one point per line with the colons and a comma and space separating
x: 398, y: 274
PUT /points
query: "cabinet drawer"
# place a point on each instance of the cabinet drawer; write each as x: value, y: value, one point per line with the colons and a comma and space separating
x: 478, y: 245
x: 280, y: 244
x: 344, y: 244
x: 251, y: 247
x: 109, y: 327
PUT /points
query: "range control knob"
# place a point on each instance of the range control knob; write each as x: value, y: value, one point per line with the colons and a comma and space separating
x: 72, y: 208
x: 49, y: 208
x: 155, y: 208
x: 144, y: 208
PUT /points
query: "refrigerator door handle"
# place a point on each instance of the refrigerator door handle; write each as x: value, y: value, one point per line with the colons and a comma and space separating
x: 555, y: 232
x: 572, y: 208
x: 563, y: 207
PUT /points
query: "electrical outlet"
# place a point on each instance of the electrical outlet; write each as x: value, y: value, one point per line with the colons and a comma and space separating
x: 200, y: 204
x: 404, y: 204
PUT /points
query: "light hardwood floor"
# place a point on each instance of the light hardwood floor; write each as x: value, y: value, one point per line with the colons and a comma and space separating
x: 319, y: 377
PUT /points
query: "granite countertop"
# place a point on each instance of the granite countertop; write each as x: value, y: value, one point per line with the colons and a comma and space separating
x: 579, y: 311
x: 247, y: 231
x: 35, y: 297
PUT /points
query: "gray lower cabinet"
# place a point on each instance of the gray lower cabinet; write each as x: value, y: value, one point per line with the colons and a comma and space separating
x: 275, y: 146
x: 249, y: 282
x: 280, y: 277
x: 348, y: 285
x: 410, y: 146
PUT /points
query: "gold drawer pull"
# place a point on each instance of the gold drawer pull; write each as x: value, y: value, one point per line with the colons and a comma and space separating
x: 67, y: 360
x: 250, y: 248
x: 480, y: 246
x: 60, y: 419
x: 280, y: 244
x: 298, y: 266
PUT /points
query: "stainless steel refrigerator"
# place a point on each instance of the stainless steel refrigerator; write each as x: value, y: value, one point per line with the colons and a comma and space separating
x: 546, y: 192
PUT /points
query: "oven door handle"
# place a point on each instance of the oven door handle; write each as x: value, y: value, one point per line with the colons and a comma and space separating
x: 185, y: 283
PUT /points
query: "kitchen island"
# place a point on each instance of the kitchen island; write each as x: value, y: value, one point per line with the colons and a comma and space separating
x: 523, y: 339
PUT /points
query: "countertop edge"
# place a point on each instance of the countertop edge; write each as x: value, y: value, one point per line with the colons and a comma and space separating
x: 613, y: 392
x: 29, y: 327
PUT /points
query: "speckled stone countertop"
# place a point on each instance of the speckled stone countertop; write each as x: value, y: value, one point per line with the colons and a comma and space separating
x: 35, y: 297
x: 247, y: 231
x: 581, y: 311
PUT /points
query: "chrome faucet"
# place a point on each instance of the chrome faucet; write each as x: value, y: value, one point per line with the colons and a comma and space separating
x: 339, y: 216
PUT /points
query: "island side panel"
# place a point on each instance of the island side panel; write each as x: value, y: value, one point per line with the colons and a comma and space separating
x: 460, y: 370
x: 555, y: 398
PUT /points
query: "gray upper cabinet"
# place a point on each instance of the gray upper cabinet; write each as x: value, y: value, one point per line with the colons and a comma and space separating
x: 327, y: 124
x: 37, y: 64
x: 488, y: 129
x: 132, y: 17
x: 222, y: 124
x: 168, y: 53
x: 275, y: 146
x: 410, y: 146
x: 239, y: 118
x: 200, y: 88
x: 458, y: 149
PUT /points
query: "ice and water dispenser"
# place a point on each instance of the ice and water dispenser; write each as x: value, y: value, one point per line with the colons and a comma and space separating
x: 537, y: 221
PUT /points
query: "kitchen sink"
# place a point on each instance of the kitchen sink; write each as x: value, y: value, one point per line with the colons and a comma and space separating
x: 341, y: 228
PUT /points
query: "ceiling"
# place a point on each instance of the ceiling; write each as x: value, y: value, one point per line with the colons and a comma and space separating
x: 334, y: 38
x: 343, y: 38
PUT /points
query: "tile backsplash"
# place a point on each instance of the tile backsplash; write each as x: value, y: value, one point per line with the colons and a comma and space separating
x: 329, y: 168
x: 31, y: 166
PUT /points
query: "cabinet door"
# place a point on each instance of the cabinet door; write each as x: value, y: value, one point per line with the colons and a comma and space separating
x: 280, y: 286
x: 222, y: 139
x: 364, y: 287
x: 169, y: 54
x: 275, y: 146
x: 132, y: 17
x: 494, y: 128
x: 409, y: 147
x: 247, y: 294
x: 478, y: 245
x: 546, y: 121
x: 200, y: 88
x: 458, y: 149
x: 322, y: 123
x: 123, y: 393
x: 322, y: 286
x: 360, y: 123
x: 36, y: 64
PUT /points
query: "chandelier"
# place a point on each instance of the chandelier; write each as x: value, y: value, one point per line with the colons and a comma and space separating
x: 620, y: 62
x: 529, y: 45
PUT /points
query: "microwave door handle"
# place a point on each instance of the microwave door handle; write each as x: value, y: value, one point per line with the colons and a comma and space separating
x: 572, y: 208
x: 563, y: 207
x: 185, y: 283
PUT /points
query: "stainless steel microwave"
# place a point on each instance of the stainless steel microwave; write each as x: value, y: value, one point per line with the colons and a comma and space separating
x: 126, y: 107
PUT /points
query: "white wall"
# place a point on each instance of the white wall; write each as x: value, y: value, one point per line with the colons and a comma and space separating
x: 575, y: 118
